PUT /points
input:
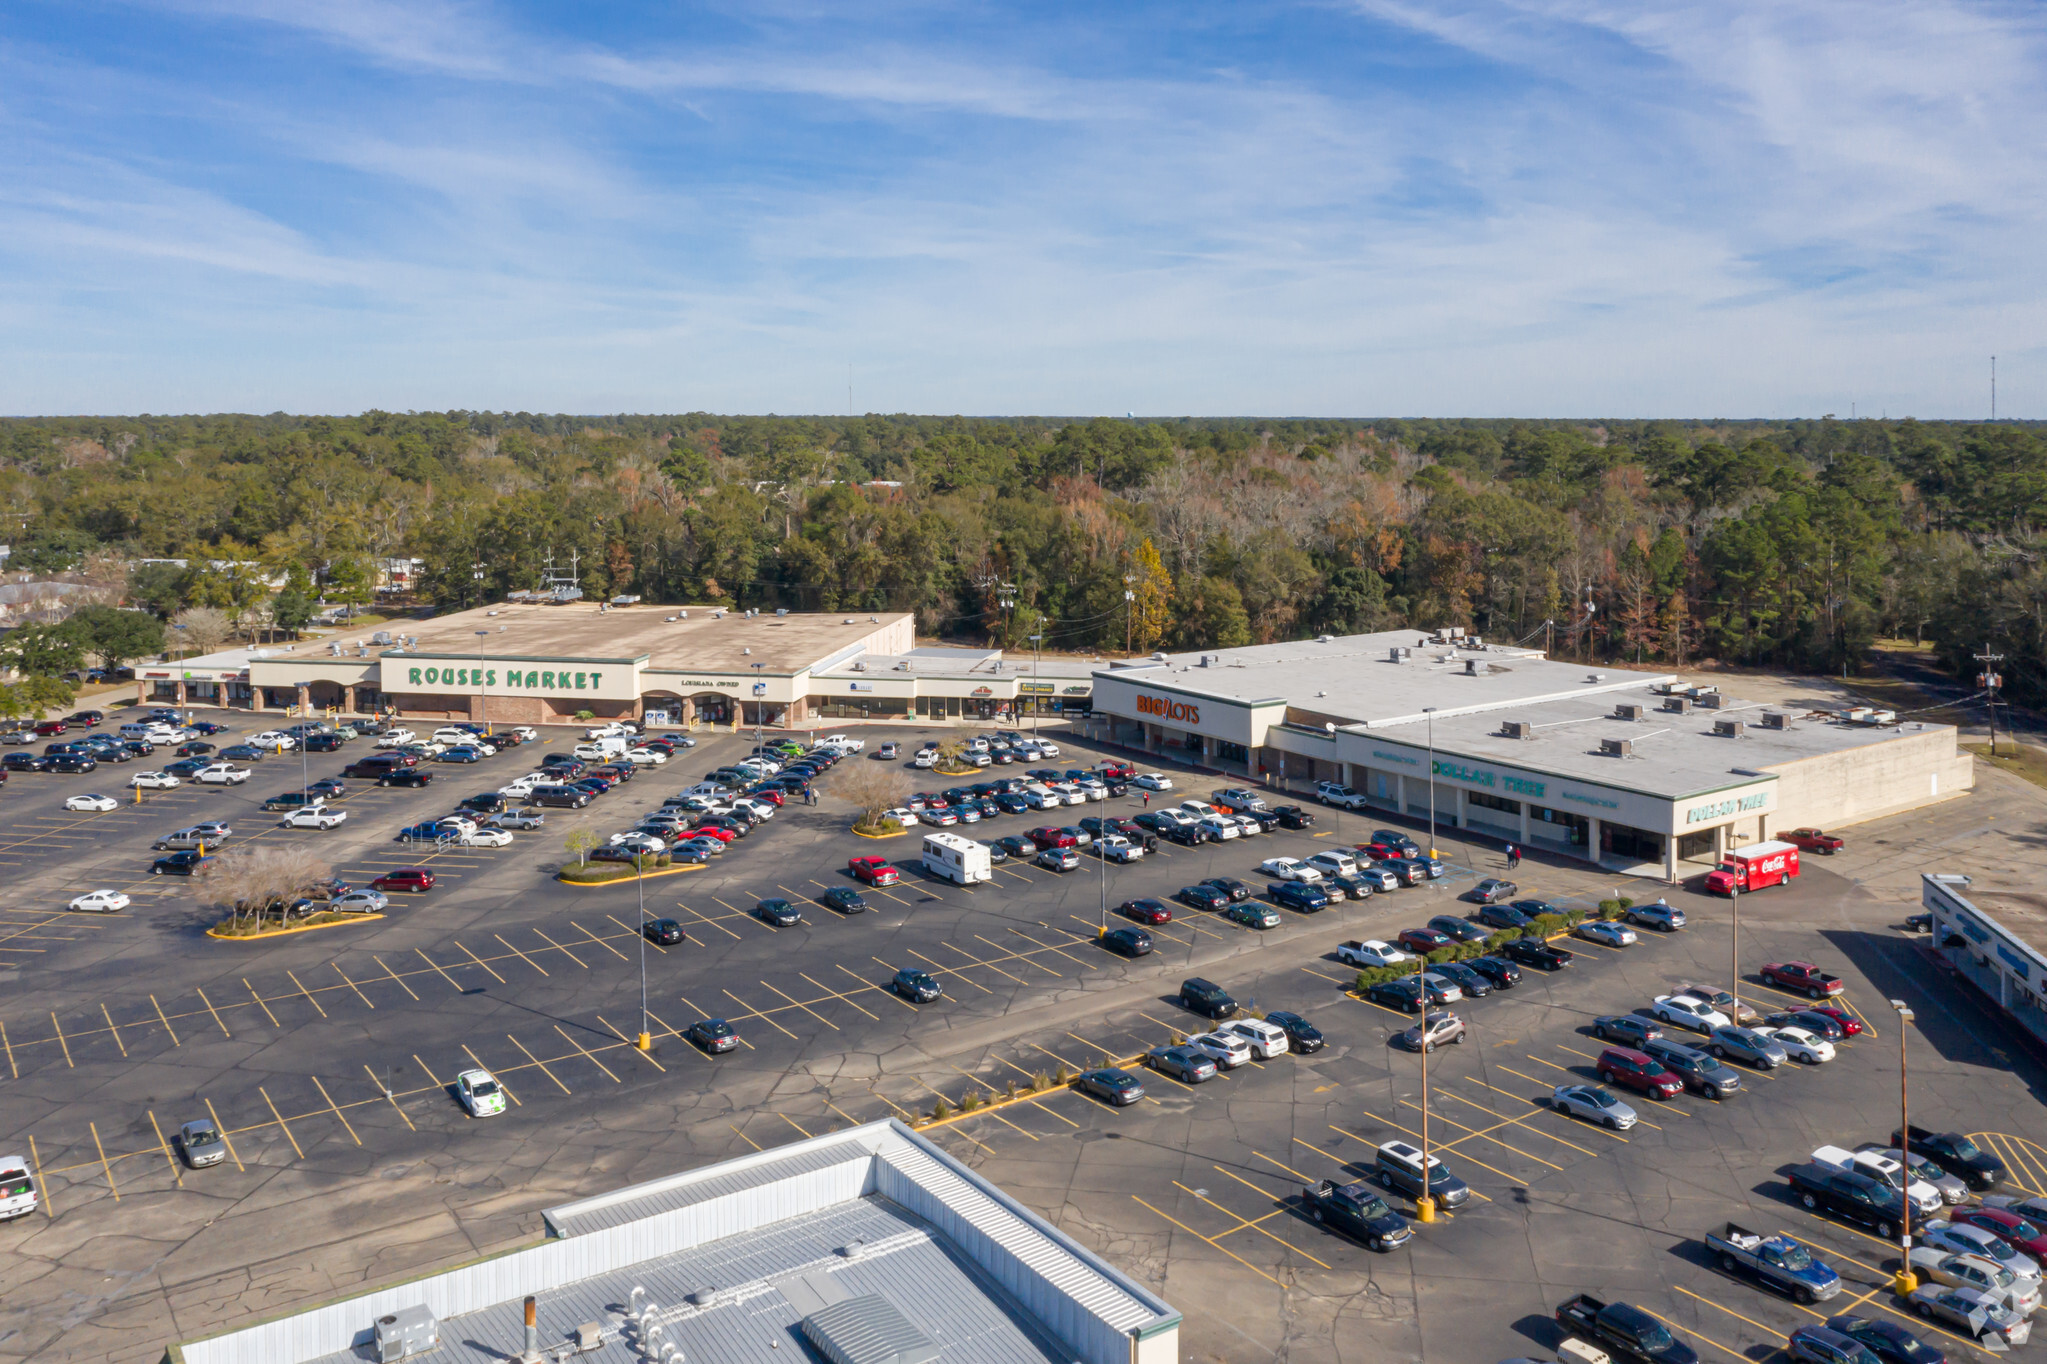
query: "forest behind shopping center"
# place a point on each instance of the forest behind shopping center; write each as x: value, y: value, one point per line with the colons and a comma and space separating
x: 1794, y: 544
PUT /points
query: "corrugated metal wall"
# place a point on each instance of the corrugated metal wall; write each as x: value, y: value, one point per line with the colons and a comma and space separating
x: 339, y: 1326
x: 1015, y: 1254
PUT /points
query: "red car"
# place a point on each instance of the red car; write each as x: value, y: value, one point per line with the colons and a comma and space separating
x: 717, y: 831
x: 2020, y: 1231
x: 1146, y: 911
x: 51, y: 728
x: 1049, y: 837
x: 1381, y: 852
x: 927, y: 800
x: 768, y: 794
x: 1813, y: 840
x: 874, y: 871
x: 1639, y: 1071
x: 1424, y: 940
x: 1851, y: 1026
x: 418, y: 880
x: 1801, y: 976
x: 1116, y: 771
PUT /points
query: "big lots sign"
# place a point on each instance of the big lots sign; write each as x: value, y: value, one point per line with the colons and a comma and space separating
x: 1168, y: 709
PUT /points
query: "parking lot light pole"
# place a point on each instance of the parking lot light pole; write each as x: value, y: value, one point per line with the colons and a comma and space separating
x: 484, y: 699
x: 1906, y: 1280
x: 1430, y: 711
x: 1424, y: 1205
x: 646, y: 1038
x: 1037, y: 644
x: 760, y: 707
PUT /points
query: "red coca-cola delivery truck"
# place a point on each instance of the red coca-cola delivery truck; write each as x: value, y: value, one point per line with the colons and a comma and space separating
x: 1756, y: 866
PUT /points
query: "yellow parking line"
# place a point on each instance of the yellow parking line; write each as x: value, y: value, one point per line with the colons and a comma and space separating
x: 752, y: 1012
x: 221, y: 1128
x: 169, y: 1159
x: 253, y: 995
x: 351, y: 985
x: 586, y: 1054
x: 1725, y: 1349
x: 117, y: 1032
x: 281, y: 1122
x: 632, y: 1045
x: 806, y: 1008
x: 105, y: 1164
x: 1191, y: 1232
x: 1487, y: 1134
x: 1247, y: 1222
x: 394, y: 976
x: 61, y: 1042
x: 335, y: 1109
x: 304, y: 991
x: 387, y: 1094
x: 563, y: 950
x: 520, y: 955
x: 538, y: 1062
x: 9, y: 1047
x: 600, y: 942
x: 481, y: 962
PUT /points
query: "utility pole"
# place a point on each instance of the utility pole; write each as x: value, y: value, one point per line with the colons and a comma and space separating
x: 1430, y: 711
x: 1906, y: 1280
x: 1037, y: 644
x: 1129, y: 609
x: 1424, y: 1205
x: 1991, y: 680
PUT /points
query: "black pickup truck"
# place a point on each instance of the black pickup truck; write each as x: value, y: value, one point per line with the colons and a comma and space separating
x: 1845, y: 1194
x: 1956, y: 1154
x: 1358, y: 1209
x: 1617, y: 1327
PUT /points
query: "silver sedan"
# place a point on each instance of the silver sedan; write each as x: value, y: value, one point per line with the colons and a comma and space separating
x: 1606, y: 934
x: 1593, y: 1103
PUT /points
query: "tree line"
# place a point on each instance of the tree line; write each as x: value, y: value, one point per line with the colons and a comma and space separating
x: 1793, y: 544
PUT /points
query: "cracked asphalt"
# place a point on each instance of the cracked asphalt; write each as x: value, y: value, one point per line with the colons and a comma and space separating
x: 327, y: 1057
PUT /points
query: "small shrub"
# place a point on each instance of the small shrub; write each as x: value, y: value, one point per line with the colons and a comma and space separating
x: 1608, y: 907
x: 971, y: 1101
x: 1041, y: 1081
x: 1064, y: 1076
x: 586, y: 715
x: 1625, y: 902
x: 941, y: 1110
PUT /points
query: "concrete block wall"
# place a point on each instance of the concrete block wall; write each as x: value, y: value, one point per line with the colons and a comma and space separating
x: 1909, y: 770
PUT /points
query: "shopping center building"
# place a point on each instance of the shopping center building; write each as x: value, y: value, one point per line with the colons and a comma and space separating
x: 540, y: 663
x: 1635, y: 771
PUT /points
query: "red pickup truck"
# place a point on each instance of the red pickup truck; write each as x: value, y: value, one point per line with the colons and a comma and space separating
x: 1814, y: 841
x: 1802, y: 975
x: 1754, y: 867
x: 875, y: 871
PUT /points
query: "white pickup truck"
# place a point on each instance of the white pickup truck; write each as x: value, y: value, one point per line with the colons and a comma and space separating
x: 1881, y: 1168
x: 314, y: 817
x: 847, y: 742
x: 1369, y: 952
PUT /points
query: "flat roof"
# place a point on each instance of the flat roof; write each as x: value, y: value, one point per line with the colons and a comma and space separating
x: 1673, y: 755
x: 771, y: 1279
x: 963, y: 663
x: 1352, y: 679
x: 670, y: 638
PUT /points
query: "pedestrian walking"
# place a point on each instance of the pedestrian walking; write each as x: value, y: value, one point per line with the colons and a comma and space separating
x: 1513, y: 857
x: 1147, y: 800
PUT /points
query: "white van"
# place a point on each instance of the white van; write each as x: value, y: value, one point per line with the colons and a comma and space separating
x: 957, y: 859
x: 17, y: 1188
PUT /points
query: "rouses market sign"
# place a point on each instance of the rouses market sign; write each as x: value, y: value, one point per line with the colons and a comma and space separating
x: 611, y: 679
x: 526, y: 679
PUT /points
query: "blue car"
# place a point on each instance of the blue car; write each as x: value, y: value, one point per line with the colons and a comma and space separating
x: 433, y: 831
x: 1298, y: 895
x: 462, y: 755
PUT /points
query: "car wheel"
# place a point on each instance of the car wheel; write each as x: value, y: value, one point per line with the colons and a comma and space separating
x: 1315, y: 1213
x: 1729, y: 1263
x: 1883, y: 1231
x: 1809, y: 1201
x: 1720, y: 1052
x: 1428, y: 1046
x: 1458, y: 1039
x: 1599, y: 1031
x: 1614, y: 1123
x: 1923, y: 1310
x: 1804, y: 1295
x: 1385, y: 1179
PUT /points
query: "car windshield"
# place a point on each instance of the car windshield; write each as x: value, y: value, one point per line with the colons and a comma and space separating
x: 483, y: 1089
x: 201, y: 1136
x: 717, y: 1028
x: 1655, y: 1339
x: 1965, y: 1149
x: 1798, y: 1257
x: 1600, y: 1097
x: 2022, y: 1230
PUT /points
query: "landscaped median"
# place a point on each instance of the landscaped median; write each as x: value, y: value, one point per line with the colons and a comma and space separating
x: 590, y: 874
x: 233, y: 932
x: 888, y: 828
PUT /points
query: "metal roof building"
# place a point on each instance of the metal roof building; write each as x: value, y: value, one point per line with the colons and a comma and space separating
x: 866, y: 1246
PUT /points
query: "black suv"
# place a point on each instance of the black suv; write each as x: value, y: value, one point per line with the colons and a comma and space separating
x: 1207, y: 998
x: 1701, y: 1073
x: 1536, y: 952
x: 1301, y: 1035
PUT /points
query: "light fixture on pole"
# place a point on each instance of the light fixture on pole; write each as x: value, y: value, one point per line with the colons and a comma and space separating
x: 1424, y: 1205
x: 1906, y: 1280
x: 483, y: 699
x: 760, y: 707
x: 646, y: 1038
x: 1037, y: 642
x: 1430, y: 711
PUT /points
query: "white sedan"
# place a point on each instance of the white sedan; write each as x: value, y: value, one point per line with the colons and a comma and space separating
x: 1153, y: 781
x: 902, y: 815
x: 635, y: 841
x: 451, y: 735
x: 480, y: 1093
x: 1688, y: 1011
x: 90, y: 803
x: 646, y: 755
x: 154, y: 781
x: 485, y: 838
x: 275, y: 740
x: 1289, y: 869
x: 100, y: 902
x: 1800, y: 1045
x: 521, y: 787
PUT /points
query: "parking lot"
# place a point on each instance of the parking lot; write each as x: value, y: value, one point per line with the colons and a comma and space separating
x: 327, y: 1057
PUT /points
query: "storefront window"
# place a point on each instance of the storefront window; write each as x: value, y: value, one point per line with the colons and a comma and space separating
x: 1620, y: 841
x: 1559, y: 828
x: 1229, y: 752
x: 1696, y: 845
x: 1492, y: 802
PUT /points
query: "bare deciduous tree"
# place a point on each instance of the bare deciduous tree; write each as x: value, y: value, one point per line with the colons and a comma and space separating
x: 201, y: 629
x: 876, y: 788
x: 249, y: 882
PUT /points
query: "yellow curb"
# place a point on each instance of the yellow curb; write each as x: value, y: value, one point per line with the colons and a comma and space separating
x: 628, y: 880
x: 897, y: 834
x: 286, y: 932
x: 993, y: 1105
x: 957, y: 772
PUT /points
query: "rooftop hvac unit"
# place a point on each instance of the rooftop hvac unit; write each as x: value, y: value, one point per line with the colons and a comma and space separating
x: 1325, y: 639
x: 781, y: 610
x: 1772, y: 720
x: 381, y: 637
x: 1704, y: 689
x: 682, y: 615
x: 1627, y: 710
x: 1617, y: 748
x: 859, y: 667
x: 1595, y: 677
x: 1883, y: 717
x: 1518, y: 729
x: 1456, y: 632
x: 1731, y: 728
x: 1858, y: 715
x: 1678, y: 704
x: 624, y: 600
x: 1710, y: 700
x: 1475, y: 667
x: 408, y: 1331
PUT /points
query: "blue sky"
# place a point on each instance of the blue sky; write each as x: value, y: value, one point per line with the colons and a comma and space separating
x: 1472, y: 207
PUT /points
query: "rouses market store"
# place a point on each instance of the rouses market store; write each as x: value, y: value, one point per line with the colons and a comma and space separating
x: 1631, y: 770
x: 524, y: 663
